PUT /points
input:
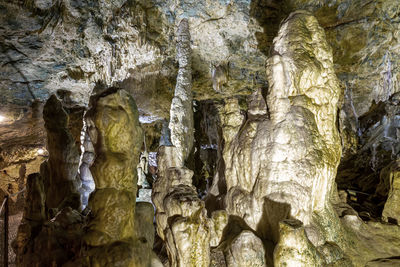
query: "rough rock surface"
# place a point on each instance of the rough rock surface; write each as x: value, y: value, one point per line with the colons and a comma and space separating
x: 181, y: 216
x: 51, y: 227
x: 365, y: 173
x: 246, y: 249
x: 114, y: 129
x: 87, y: 159
x: 247, y: 152
x: 181, y: 114
x: 63, y: 128
x: 391, y: 210
x: 294, y: 248
x: 286, y: 155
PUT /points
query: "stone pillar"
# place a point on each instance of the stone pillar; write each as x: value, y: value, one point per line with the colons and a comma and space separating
x: 63, y: 126
x: 181, y: 113
x: 181, y: 216
x: 113, y: 126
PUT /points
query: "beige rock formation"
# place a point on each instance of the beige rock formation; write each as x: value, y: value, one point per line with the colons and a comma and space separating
x: 117, y: 136
x: 181, y: 216
x: 294, y: 248
x: 272, y: 160
x: 63, y: 126
x: 111, y: 237
x: 246, y: 249
x: 51, y: 227
x: 285, y: 166
x: 181, y: 113
x: 391, y: 210
x: 281, y: 163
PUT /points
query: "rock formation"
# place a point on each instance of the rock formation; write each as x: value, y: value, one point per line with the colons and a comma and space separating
x: 282, y: 163
x: 278, y: 147
x: 181, y: 114
x: 181, y: 216
x: 114, y: 129
x: 88, y: 155
x: 51, y: 227
x: 391, y: 210
x: 63, y: 141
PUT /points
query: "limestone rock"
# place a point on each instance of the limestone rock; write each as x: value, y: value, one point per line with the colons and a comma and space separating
x: 117, y: 137
x: 33, y: 218
x: 144, y: 216
x: 231, y: 119
x: 61, y: 169
x: 181, y: 113
x: 35, y: 195
x: 366, y: 172
x: 52, y: 227
x: 302, y: 102
x: 281, y: 163
x: 294, y: 248
x: 88, y: 156
x: 391, y: 211
x: 218, y: 222
x: 181, y: 216
x: 370, y: 240
x: 246, y: 249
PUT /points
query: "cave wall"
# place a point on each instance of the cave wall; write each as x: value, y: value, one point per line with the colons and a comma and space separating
x: 73, y: 48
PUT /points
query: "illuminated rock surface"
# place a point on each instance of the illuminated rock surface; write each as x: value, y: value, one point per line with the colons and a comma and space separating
x: 114, y: 129
x: 181, y: 114
x: 51, y: 226
x: 260, y: 129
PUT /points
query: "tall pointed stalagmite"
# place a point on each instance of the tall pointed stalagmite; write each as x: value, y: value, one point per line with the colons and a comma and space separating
x: 181, y: 217
x: 181, y: 114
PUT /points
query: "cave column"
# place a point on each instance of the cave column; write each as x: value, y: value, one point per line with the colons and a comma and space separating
x: 181, y: 216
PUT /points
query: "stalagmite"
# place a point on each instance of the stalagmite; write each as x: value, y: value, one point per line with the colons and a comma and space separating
x: 181, y: 216
x: 63, y: 126
x: 181, y: 113
x: 86, y: 177
x: 282, y: 163
x: 116, y: 134
x: 52, y: 226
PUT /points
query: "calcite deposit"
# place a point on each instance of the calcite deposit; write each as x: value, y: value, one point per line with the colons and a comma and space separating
x: 201, y: 133
x: 181, y: 114
x: 113, y: 127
